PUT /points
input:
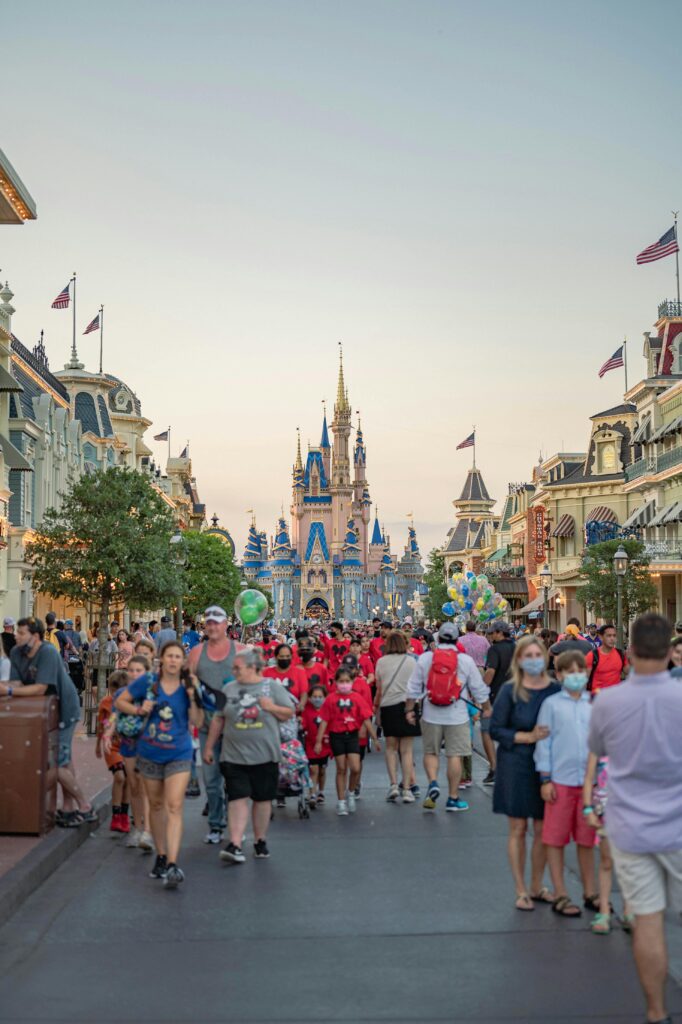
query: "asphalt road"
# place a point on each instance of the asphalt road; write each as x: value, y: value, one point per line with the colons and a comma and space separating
x: 390, y: 915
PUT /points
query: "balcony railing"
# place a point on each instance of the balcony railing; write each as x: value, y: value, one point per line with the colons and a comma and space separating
x: 669, y: 307
x: 664, y: 550
x: 654, y: 464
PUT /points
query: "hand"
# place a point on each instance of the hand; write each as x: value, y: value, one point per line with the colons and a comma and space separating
x: 98, y: 752
x: 147, y: 707
x: 540, y: 732
x: 318, y: 748
x: 377, y: 747
x: 548, y: 792
x: 207, y: 756
x: 267, y: 703
x: 409, y: 715
x: 487, y: 713
x: 593, y: 820
x: 3, y: 689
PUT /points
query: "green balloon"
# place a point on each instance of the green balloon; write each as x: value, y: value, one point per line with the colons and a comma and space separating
x: 249, y: 615
x: 261, y: 602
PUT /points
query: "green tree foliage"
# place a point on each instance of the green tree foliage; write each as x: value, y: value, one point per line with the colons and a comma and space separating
x: 599, y: 591
x: 434, y: 578
x: 211, y: 577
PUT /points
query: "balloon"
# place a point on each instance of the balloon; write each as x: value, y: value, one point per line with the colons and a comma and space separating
x: 471, y: 576
x: 468, y: 605
x: 474, y: 584
x: 465, y: 590
x: 487, y: 594
x: 483, y: 580
x: 448, y: 609
x: 452, y: 592
x: 460, y: 601
x: 251, y: 607
x: 479, y: 605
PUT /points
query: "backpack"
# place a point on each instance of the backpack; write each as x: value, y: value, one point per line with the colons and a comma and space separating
x: 131, y: 726
x: 442, y: 686
x: 595, y: 663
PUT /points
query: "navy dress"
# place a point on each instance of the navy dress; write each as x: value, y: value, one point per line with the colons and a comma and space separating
x: 517, y: 785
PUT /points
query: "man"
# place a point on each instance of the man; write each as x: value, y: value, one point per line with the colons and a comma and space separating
x: 73, y: 654
x: 496, y: 673
x: 519, y: 629
x: 376, y: 625
x: 165, y: 634
x: 8, y: 637
x: 37, y: 670
x: 335, y: 647
x: 212, y: 663
x: 376, y: 645
x: 190, y: 636
x: 422, y: 633
x: 475, y: 645
x: 414, y: 645
x: 572, y: 640
x: 51, y: 631
x: 638, y: 725
x: 606, y: 664
x: 447, y: 724
x: 593, y: 635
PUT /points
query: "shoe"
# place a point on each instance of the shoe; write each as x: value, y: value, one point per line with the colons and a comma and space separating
x: 357, y: 790
x: 215, y: 836
x: 233, y: 853
x: 415, y: 791
x: 320, y: 798
x: 408, y: 796
x: 393, y: 794
x: 342, y: 807
x: 133, y: 839
x: 174, y: 875
x: 146, y: 842
x: 466, y: 784
x: 193, y: 788
x: 160, y: 868
x: 489, y: 780
x: 115, y: 823
x: 260, y: 850
x: 432, y: 794
x: 281, y: 802
x: 87, y: 816
x: 462, y: 785
x: 454, y: 804
x: 124, y: 824
x: 312, y: 801
x: 204, y: 813
x: 351, y: 803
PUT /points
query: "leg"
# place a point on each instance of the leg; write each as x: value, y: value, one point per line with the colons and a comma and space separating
x: 454, y: 775
x: 322, y: 779
x: 555, y: 859
x: 391, y: 756
x: 117, y: 787
x: 651, y: 958
x: 431, y: 766
x: 605, y: 876
x: 237, y: 819
x: 214, y: 785
x: 261, y: 812
x: 315, y: 777
x: 136, y: 793
x: 516, y: 850
x: 489, y: 749
x: 157, y: 815
x: 174, y: 799
x: 67, y: 780
x: 405, y: 746
x: 355, y: 765
x: 341, y: 767
x: 586, y: 865
x: 538, y: 859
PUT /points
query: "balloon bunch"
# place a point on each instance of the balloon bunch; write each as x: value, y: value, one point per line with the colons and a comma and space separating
x: 474, y: 597
x: 251, y: 607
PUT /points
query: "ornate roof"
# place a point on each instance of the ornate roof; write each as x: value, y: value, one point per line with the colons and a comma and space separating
x: 376, y: 532
x: 315, y: 459
x: 317, y: 534
x: 474, y: 489
x: 324, y: 442
x: 282, y: 552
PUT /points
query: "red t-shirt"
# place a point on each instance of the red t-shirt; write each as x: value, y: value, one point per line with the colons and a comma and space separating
x: 335, y: 651
x: 268, y: 648
x: 366, y: 665
x: 376, y: 648
x: 310, y: 722
x: 316, y: 673
x: 361, y: 687
x: 416, y: 645
x: 293, y: 679
x: 609, y: 669
x: 345, y: 712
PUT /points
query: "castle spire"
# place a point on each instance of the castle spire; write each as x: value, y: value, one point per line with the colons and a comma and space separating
x: 341, y: 390
x: 299, y: 459
x: 324, y: 443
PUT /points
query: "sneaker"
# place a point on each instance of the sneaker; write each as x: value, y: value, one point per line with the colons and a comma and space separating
x: 351, y: 803
x: 174, y: 875
x: 160, y: 868
x: 393, y: 794
x: 454, y: 804
x: 281, y: 802
x: 115, y: 823
x: 233, y: 853
x: 193, y: 788
x: 320, y: 798
x: 342, y: 807
x: 124, y: 823
x: 260, y: 850
x: 415, y: 791
x: 357, y: 790
x: 146, y: 842
x: 215, y: 836
x: 432, y: 794
x: 408, y: 796
x: 489, y: 780
x: 133, y: 839
x: 468, y: 783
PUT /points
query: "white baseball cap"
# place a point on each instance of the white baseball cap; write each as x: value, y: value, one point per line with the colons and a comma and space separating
x: 8, y: 621
x: 215, y: 614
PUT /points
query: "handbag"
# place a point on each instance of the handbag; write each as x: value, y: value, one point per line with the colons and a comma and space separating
x: 131, y: 726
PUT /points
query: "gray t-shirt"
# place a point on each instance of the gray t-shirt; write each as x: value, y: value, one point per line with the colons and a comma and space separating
x: 163, y: 636
x: 251, y: 735
x: 47, y: 667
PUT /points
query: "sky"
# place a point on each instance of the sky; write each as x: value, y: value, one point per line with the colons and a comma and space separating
x: 455, y: 191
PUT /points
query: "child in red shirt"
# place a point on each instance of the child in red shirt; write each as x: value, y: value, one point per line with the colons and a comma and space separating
x: 290, y: 676
x: 120, y: 818
x: 315, y: 671
x: 310, y: 723
x: 344, y: 713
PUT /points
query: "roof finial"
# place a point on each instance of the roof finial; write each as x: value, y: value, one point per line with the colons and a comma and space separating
x: 341, y: 392
x: 299, y: 460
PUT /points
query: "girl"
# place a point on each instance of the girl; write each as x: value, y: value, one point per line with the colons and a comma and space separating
x: 141, y: 836
x: 594, y: 806
x: 124, y: 647
x: 310, y: 722
x: 344, y: 713
x: 120, y: 822
x: 170, y: 702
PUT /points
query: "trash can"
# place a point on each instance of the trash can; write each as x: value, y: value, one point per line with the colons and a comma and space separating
x: 29, y: 745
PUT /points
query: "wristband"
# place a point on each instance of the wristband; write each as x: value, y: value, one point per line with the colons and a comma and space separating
x: 588, y: 810
x: 10, y: 691
x: 544, y: 779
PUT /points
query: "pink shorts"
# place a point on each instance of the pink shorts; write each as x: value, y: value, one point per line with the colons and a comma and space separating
x: 564, y: 819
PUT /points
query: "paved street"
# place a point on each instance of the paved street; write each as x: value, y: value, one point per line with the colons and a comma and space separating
x: 392, y: 915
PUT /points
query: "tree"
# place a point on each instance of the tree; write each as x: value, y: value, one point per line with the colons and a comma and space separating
x: 599, y: 591
x: 435, y: 579
x: 108, y: 543
x: 211, y: 577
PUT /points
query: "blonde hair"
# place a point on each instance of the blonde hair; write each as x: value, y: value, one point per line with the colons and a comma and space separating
x: 520, y: 691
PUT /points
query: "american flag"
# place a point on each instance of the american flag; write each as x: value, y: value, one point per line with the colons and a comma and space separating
x: 613, y: 363
x: 665, y: 246
x: 184, y: 454
x: 92, y: 326
x: 468, y: 442
x: 161, y: 437
x: 62, y: 300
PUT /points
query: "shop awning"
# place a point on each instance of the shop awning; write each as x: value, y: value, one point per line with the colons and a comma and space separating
x: 511, y: 587
x: 537, y: 604
x: 674, y: 514
x: 660, y: 518
x: 8, y: 383
x: 565, y: 527
x: 642, y: 516
x: 643, y: 430
x: 499, y: 555
x: 601, y: 514
x: 13, y: 457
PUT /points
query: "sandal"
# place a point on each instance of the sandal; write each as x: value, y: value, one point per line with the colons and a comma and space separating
x: 627, y: 922
x: 591, y: 903
x: 601, y: 924
x: 564, y: 908
x: 543, y: 896
x: 524, y: 902
x: 69, y: 819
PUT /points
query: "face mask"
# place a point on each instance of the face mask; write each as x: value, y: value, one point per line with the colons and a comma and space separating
x: 317, y: 702
x: 575, y: 682
x: 306, y: 654
x: 283, y: 662
x: 344, y: 686
x: 533, y: 666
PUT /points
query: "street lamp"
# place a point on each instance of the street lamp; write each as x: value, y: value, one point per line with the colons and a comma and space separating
x: 620, y: 565
x: 179, y: 556
x: 546, y: 579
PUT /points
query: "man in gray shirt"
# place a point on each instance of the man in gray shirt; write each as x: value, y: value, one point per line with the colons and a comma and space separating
x: 638, y: 725
x: 165, y: 634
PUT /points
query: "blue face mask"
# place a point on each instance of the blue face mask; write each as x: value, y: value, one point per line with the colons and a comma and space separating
x: 575, y: 682
x: 533, y: 666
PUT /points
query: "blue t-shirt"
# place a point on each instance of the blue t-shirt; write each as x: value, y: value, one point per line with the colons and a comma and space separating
x: 190, y: 638
x: 166, y: 736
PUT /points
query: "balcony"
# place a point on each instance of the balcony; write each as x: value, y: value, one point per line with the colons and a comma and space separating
x: 664, y: 550
x: 654, y: 464
x: 669, y: 307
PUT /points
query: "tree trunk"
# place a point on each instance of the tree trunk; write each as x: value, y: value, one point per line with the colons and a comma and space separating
x: 102, y: 656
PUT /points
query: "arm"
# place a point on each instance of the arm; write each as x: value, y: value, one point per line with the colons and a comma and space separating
x: 416, y: 685
x: 18, y: 690
x: 543, y: 755
x: 369, y: 726
x: 477, y: 688
x: 321, y: 730
x: 126, y: 704
x: 214, y: 733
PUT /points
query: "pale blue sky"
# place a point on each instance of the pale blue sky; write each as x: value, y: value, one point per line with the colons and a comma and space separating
x: 457, y: 191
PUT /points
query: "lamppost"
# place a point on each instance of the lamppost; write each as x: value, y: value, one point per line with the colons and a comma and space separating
x: 179, y: 556
x: 546, y: 578
x: 620, y: 565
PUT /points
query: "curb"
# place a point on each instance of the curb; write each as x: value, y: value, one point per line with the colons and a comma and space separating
x: 57, y: 846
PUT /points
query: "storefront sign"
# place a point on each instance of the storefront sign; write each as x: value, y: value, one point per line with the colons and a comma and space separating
x: 539, y: 531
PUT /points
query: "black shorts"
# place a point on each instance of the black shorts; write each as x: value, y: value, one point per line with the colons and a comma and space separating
x: 322, y: 762
x: 257, y: 782
x: 394, y: 724
x: 343, y: 743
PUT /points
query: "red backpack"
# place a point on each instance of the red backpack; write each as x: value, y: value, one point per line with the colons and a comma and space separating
x: 442, y: 686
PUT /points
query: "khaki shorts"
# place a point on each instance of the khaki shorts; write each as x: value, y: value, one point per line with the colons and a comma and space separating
x: 457, y: 739
x: 649, y: 882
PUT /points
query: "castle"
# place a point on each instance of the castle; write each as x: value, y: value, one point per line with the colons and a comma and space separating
x: 330, y: 564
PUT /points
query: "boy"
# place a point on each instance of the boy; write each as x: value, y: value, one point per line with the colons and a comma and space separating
x: 561, y: 759
x: 120, y: 821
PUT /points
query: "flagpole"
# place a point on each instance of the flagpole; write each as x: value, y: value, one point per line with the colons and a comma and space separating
x: 677, y: 264
x: 101, y: 335
x: 625, y: 362
x: 474, y: 466
x: 169, y: 442
x: 74, y: 353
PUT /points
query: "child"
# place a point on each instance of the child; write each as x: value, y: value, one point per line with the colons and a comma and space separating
x: 594, y: 806
x: 310, y: 722
x: 344, y: 713
x: 561, y: 759
x: 141, y: 837
x: 120, y: 821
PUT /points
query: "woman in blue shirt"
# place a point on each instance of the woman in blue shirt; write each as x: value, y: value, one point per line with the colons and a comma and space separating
x: 170, y: 702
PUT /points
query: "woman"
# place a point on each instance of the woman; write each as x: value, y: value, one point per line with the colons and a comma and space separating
x: 517, y: 786
x: 170, y: 702
x: 251, y: 749
x: 81, y: 632
x: 675, y: 653
x: 125, y: 649
x: 393, y: 673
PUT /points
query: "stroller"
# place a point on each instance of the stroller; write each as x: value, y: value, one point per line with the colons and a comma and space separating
x: 294, y: 774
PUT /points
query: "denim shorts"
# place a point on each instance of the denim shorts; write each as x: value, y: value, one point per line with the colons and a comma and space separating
x: 161, y: 771
x: 484, y: 724
x: 65, y: 741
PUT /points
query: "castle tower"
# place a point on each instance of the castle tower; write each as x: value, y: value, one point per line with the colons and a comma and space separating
x: 325, y: 446
x: 409, y: 573
x: 341, y: 488
x: 254, y: 556
x: 351, y: 573
x: 376, y: 548
x: 361, y: 500
x: 282, y: 567
x: 298, y: 490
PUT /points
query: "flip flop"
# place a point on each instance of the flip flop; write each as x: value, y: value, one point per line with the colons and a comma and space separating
x: 543, y: 896
x: 524, y: 902
x: 564, y: 908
